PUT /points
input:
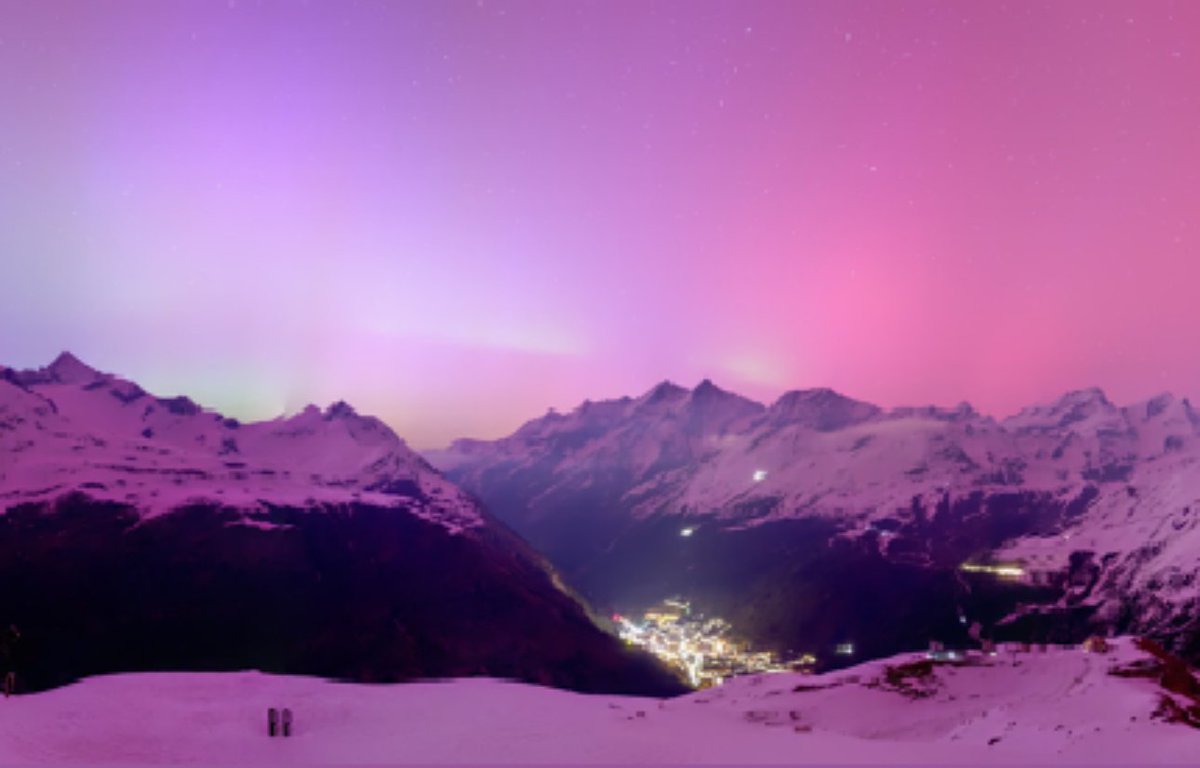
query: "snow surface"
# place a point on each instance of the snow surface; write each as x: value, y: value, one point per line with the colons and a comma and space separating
x: 70, y: 428
x: 1060, y: 706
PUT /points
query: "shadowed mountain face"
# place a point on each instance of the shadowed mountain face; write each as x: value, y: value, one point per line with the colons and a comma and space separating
x: 146, y: 534
x: 356, y: 593
x: 822, y: 519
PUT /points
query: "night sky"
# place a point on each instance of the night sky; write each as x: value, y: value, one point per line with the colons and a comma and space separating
x: 456, y: 215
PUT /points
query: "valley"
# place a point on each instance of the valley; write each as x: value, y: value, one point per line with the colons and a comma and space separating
x: 706, y: 650
x: 821, y: 518
x: 141, y: 533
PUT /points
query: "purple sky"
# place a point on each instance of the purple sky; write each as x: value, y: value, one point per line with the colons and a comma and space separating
x: 455, y: 215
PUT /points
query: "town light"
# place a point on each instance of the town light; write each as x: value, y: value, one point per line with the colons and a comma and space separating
x: 1006, y: 571
x: 760, y: 475
x: 701, y: 648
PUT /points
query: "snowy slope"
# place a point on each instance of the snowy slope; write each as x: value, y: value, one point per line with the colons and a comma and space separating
x: 1057, y: 707
x: 68, y: 428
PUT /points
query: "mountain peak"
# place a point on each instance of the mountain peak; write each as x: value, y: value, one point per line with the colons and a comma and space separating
x: 340, y: 410
x: 1156, y: 405
x: 664, y: 390
x: 813, y: 395
x: 707, y: 390
x: 68, y: 369
x: 1164, y: 405
x: 820, y: 408
x: 1084, y: 396
x: 963, y: 411
x: 1074, y: 407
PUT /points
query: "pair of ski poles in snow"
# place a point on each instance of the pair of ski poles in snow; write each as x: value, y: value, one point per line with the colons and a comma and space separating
x: 279, y: 722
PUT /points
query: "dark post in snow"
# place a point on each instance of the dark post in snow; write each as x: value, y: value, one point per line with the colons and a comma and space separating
x: 287, y: 722
x: 272, y: 721
x: 8, y: 658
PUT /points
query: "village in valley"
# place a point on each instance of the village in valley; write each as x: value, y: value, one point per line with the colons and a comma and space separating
x: 704, y: 649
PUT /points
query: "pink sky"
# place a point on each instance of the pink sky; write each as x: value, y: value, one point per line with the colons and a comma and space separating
x: 455, y: 215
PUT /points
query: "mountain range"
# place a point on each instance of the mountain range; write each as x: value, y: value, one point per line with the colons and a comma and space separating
x: 147, y: 533
x: 140, y: 532
x: 820, y: 519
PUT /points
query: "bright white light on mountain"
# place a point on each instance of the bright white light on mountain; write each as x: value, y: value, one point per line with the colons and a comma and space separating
x: 687, y: 532
x: 760, y: 475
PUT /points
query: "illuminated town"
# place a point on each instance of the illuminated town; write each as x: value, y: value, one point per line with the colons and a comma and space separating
x: 702, y: 648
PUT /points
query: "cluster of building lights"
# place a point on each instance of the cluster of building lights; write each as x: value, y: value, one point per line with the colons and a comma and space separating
x: 701, y: 648
x: 1004, y: 571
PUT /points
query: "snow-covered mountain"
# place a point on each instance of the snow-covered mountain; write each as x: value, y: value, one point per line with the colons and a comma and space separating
x: 1061, y: 706
x: 1081, y: 489
x: 68, y: 427
x: 147, y: 533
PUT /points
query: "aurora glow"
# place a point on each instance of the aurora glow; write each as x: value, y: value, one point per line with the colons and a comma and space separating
x: 455, y: 215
